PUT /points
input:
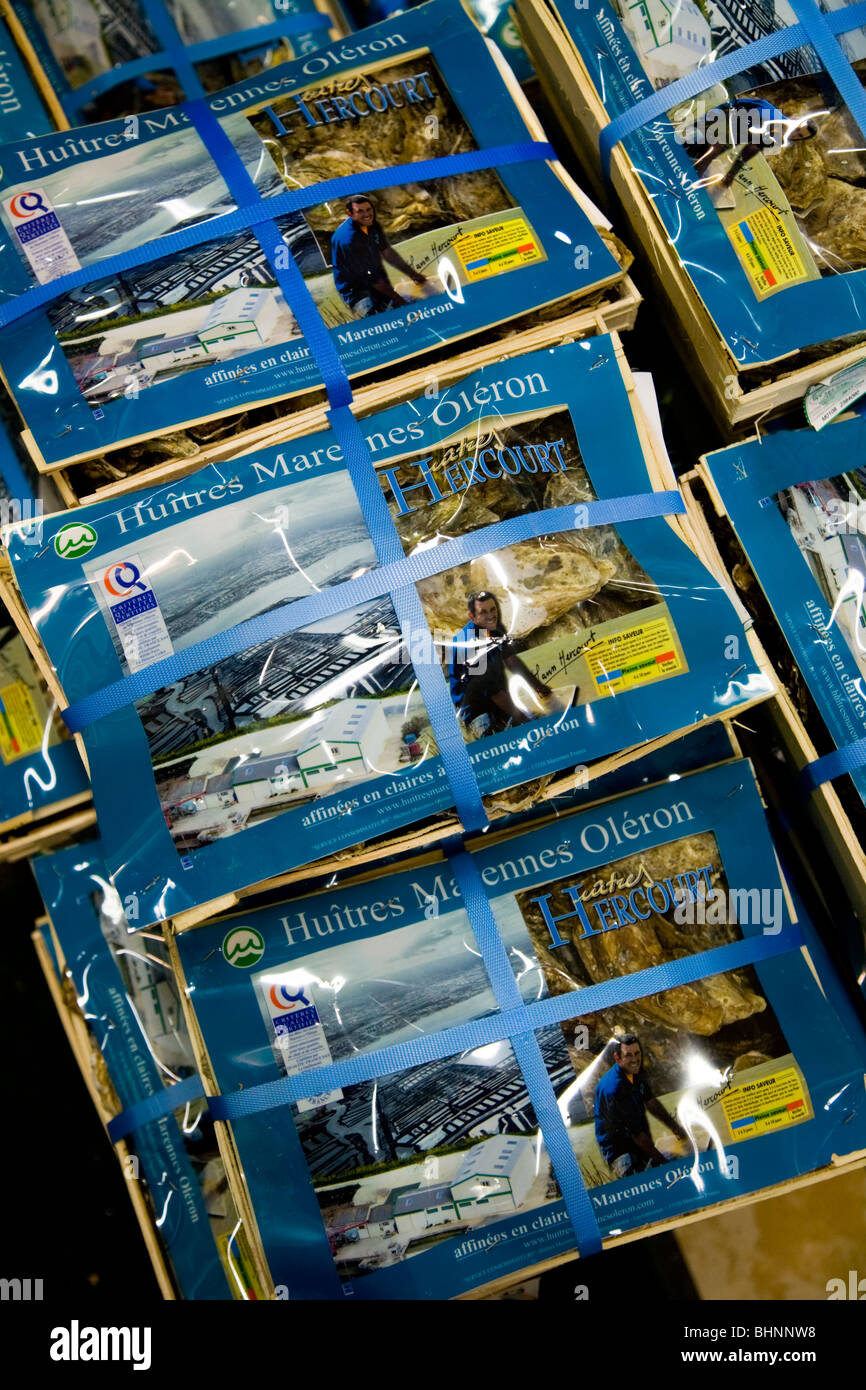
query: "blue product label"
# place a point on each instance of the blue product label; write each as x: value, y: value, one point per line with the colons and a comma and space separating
x: 277, y: 747
x: 21, y: 108
x: 797, y: 509
x: 132, y: 1006
x: 427, y: 1175
x: 223, y: 326
x: 726, y: 170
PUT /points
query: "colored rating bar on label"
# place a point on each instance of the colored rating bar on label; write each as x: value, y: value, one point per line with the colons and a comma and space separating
x: 500, y: 255
x: 766, y: 1114
x: 635, y: 666
x: 748, y: 235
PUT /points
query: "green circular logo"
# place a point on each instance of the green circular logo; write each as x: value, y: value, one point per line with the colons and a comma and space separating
x: 243, y: 947
x: 74, y: 540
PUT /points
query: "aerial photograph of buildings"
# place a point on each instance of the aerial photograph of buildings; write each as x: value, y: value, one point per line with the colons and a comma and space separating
x: 827, y: 519
x: 404, y: 1162
x: 285, y: 721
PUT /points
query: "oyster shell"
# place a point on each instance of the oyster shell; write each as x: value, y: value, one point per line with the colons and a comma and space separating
x: 535, y: 582
x: 308, y: 154
x: 801, y: 172
x: 838, y: 225
x: 701, y: 1008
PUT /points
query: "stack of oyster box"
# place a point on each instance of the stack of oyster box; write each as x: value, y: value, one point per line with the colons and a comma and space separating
x: 410, y: 687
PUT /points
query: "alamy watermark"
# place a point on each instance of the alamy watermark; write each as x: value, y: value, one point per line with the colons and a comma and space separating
x: 21, y: 1290
x: 24, y: 513
x: 756, y: 907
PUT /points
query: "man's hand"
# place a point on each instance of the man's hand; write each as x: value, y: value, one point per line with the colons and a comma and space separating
x: 656, y: 1108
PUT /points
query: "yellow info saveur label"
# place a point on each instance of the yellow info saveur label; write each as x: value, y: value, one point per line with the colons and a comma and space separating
x: 20, y: 725
x: 502, y: 246
x: 642, y: 653
x: 766, y: 1104
x: 766, y: 251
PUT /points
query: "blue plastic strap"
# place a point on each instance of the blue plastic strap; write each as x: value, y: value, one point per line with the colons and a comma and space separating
x: 566, y: 1167
x: 243, y: 41
x: 154, y: 1107
x: 263, y: 210
x: 282, y: 263
x: 413, y: 623
x: 750, y: 55
x: 431, y: 1047
x: 660, y: 102
x: 476, y: 905
x: 374, y: 508
x: 526, y: 1050
x: 173, y: 48
x: 821, y: 37
x: 848, y: 759
x: 359, y: 463
x: 339, y: 598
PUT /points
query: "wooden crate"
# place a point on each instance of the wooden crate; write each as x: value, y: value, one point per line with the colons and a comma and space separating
x: 617, y: 315
x: 608, y: 308
x: 36, y: 832
x: 91, y: 1064
x: 736, y: 398
x: 824, y: 809
x: 837, y: 1168
x: 56, y: 823
x: 839, y: 1165
x: 434, y: 830
x: 101, y: 1093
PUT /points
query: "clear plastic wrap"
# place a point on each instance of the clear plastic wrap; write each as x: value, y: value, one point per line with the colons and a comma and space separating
x: 135, y: 1042
x: 796, y: 503
x: 685, y: 1053
x: 175, y: 325
x: 758, y: 180
x: 94, y: 57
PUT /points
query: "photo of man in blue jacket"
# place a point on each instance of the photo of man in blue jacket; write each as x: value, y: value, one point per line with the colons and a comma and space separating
x: 622, y: 1099
x: 359, y: 248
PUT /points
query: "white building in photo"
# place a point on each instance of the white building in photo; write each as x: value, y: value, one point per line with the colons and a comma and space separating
x: 351, y: 739
x: 423, y: 1209
x: 495, y: 1176
x: 219, y: 791
x: 256, y: 779
x: 242, y: 318
x: 671, y: 36
x: 167, y: 354
x: 381, y: 1222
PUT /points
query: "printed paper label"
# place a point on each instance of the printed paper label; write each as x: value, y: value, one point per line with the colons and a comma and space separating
x: 39, y: 234
x: 21, y: 728
x: 501, y: 246
x: 827, y: 399
x: 767, y: 252
x: 124, y: 590
x: 641, y: 653
x: 767, y: 1104
x: 299, y: 1034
